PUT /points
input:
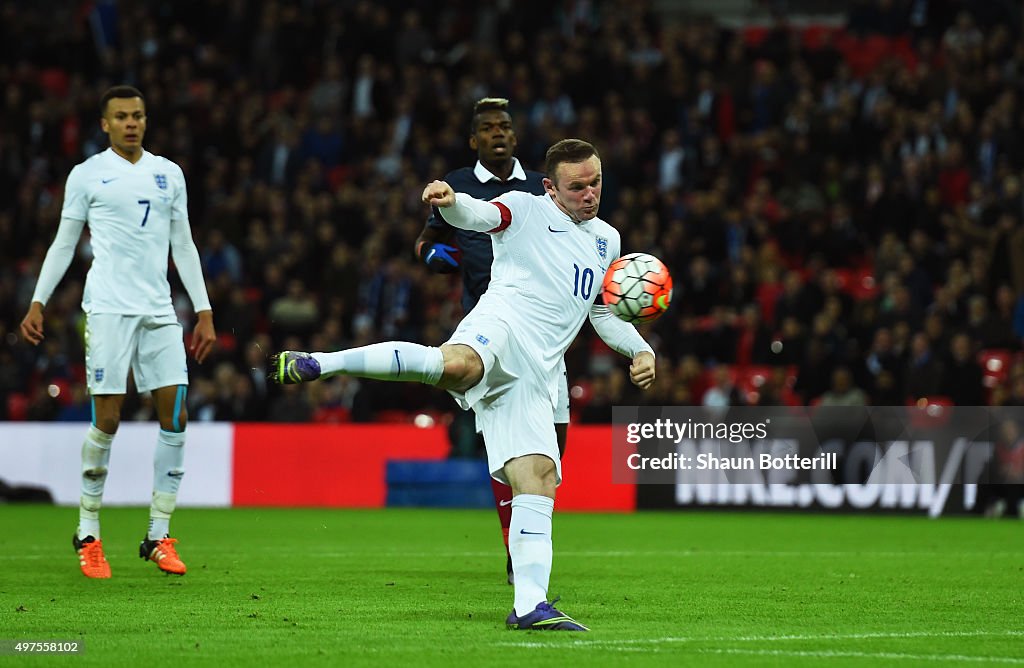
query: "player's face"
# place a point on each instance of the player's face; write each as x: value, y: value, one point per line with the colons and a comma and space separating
x: 494, y: 139
x: 577, y: 188
x: 125, y: 121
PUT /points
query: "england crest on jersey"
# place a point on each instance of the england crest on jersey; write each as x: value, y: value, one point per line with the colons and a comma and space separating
x: 161, y: 181
x: 602, y: 247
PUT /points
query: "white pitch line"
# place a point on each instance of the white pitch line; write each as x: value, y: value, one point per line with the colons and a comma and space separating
x: 884, y: 635
x: 46, y: 552
x: 881, y: 635
x: 780, y: 553
x: 906, y: 635
x: 48, y: 549
x: 647, y: 553
x: 890, y: 656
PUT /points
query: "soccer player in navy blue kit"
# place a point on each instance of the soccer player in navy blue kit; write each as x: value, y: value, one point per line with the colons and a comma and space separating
x: 497, y: 171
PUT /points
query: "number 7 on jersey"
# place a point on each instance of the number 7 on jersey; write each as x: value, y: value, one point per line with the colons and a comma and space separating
x: 145, y: 216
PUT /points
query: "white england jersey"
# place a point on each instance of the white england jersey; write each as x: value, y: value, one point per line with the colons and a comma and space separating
x: 547, y: 272
x: 128, y: 208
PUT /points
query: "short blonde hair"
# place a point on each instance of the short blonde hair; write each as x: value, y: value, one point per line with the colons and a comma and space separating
x: 487, y: 104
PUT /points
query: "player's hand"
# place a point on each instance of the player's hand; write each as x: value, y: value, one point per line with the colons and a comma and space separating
x: 32, y: 325
x: 442, y: 258
x: 203, y: 336
x: 439, y: 194
x: 641, y: 371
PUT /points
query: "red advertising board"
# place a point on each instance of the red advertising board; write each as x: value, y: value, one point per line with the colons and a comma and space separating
x: 344, y: 465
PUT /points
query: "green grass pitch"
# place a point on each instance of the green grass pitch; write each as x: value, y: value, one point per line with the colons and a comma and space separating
x: 426, y: 588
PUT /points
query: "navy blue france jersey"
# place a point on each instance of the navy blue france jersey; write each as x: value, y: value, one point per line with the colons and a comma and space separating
x: 476, y: 246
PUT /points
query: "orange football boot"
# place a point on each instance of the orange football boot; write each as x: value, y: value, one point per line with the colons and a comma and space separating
x: 90, y: 557
x: 163, y: 553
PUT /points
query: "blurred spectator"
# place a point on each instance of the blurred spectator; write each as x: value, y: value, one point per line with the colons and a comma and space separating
x: 815, y: 370
x: 389, y: 300
x: 881, y: 359
x: 278, y: 161
x: 221, y: 258
x: 963, y: 37
x: 924, y: 372
x: 962, y: 377
x: 291, y: 406
x: 842, y: 391
x: 236, y: 400
x: 723, y: 392
x: 294, y: 311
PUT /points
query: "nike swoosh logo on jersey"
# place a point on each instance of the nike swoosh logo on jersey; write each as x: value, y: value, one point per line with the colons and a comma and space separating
x: 108, y: 180
x: 551, y: 229
x: 531, y: 533
x: 504, y: 503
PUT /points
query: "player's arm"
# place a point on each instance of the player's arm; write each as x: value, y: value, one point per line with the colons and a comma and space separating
x: 432, y: 247
x: 465, y: 212
x: 623, y: 338
x: 55, y: 265
x: 190, y: 269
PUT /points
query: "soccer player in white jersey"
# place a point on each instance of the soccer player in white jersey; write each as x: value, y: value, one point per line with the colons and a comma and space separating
x: 550, y: 253
x: 497, y: 171
x: 136, y: 207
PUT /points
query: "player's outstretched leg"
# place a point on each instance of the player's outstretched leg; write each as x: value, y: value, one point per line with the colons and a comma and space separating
x: 545, y: 617
x: 163, y: 553
x: 291, y: 367
x: 390, y: 360
x: 90, y: 557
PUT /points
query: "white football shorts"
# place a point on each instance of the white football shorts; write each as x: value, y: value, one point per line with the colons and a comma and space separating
x: 151, y: 346
x: 512, y: 402
x: 562, y: 407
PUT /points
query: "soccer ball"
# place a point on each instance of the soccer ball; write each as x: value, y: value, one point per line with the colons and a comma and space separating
x: 637, y: 288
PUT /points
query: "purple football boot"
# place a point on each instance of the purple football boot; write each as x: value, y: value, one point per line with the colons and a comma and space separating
x: 291, y: 367
x: 545, y: 617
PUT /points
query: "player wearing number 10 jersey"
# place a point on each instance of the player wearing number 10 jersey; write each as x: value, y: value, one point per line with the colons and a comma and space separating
x: 135, y: 205
x: 497, y: 171
x: 550, y: 253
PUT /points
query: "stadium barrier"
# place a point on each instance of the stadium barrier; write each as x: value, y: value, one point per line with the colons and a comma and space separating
x: 449, y: 483
x: 346, y: 466
x: 283, y: 465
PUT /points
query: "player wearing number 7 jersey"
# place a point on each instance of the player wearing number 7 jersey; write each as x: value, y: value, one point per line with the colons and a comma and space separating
x: 550, y: 253
x: 136, y: 207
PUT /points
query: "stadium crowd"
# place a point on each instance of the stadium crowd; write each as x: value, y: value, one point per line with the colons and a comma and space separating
x: 840, y: 207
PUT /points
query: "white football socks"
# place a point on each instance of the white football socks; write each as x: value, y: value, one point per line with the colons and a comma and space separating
x: 529, y: 543
x: 168, y: 469
x: 391, y: 360
x: 95, y: 459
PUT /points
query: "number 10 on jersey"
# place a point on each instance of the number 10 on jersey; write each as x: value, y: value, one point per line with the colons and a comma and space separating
x: 582, y: 282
